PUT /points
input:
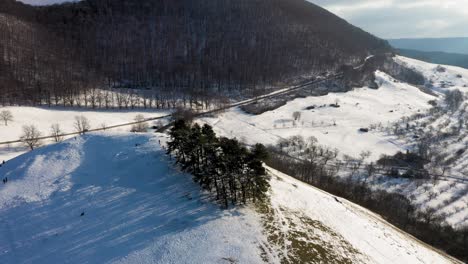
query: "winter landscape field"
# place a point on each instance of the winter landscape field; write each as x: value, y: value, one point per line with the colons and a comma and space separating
x: 138, y: 209
x: 231, y: 132
x: 105, y: 174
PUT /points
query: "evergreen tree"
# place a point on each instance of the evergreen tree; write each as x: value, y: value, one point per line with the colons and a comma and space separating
x: 220, y: 165
x: 179, y: 135
x: 210, y: 151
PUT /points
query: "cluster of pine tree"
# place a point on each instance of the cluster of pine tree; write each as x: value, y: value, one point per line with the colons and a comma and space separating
x: 220, y: 165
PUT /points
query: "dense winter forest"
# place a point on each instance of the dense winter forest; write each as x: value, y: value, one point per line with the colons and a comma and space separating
x: 81, y: 53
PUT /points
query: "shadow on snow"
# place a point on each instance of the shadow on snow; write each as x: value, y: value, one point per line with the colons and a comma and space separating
x: 130, y: 196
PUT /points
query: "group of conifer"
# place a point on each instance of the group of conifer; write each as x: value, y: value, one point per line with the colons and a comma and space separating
x: 231, y: 171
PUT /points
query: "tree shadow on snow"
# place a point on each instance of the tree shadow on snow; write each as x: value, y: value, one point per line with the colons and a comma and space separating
x: 130, y: 197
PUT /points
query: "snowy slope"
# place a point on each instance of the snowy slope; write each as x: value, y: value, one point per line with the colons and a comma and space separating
x: 334, y: 127
x: 44, y: 117
x: 132, y: 200
x: 450, y: 78
x: 366, y: 231
x: 449, y: 198
x: 361, y: 108
x: 139, y: 209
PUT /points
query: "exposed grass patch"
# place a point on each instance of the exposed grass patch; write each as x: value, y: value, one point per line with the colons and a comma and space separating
x: 295, y: 238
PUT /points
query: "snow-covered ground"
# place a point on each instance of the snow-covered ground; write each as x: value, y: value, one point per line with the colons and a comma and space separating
x: 442, y: 78
x: 139, y: 209
x: 364, y: 230
x: 450, y: 141
x: 136, y: 208
x: 43, y: 118
x: 335, y: 127
x: 363, y: 108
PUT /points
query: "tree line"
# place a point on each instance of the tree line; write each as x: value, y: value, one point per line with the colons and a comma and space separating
x: 222, y: 166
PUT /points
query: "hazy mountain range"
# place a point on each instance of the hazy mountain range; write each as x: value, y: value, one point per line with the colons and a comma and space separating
x: 450, y: 51
x: 450, y: 45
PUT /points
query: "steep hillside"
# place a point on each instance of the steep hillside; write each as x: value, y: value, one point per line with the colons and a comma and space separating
x: 116, y: 198
x: 199, y: 49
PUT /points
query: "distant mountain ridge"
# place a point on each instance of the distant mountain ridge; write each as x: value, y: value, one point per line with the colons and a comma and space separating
x: 449, y: 45
x: 454, y: 59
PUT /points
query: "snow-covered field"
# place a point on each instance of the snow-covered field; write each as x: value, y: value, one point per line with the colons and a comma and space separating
x: 334, y: 127
x: 137, y: 208
x: 43, y: 118
x: 363, y: 108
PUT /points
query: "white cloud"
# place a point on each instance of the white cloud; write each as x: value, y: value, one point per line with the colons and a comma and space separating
x: 404, y: 18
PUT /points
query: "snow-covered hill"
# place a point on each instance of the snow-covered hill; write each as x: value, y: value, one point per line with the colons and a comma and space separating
x: 132, y: 200
x: 440, y: 76
x: 115, y: 197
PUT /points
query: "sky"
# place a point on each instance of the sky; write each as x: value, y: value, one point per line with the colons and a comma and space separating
x: 392, y: 18
x: 404, y: 18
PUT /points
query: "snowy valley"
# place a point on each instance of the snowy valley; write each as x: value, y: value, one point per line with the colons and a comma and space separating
x: 233, y: 131
x: 116, y: 197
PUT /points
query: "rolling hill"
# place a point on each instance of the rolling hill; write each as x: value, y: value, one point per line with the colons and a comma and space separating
x: 116, y: 198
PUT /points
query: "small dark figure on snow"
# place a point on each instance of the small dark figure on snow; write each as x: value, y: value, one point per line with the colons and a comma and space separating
x: 82, y: 214
x: 5, y: 180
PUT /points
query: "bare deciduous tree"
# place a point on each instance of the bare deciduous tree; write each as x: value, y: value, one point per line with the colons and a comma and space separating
x: 454, y: 99
x: 30, y: 136
x: 183, y: 114
x: 297, y: 116
x: 56, y: 133
x: 81, y: 124
x: 141, y: 126
x: 6, y: 116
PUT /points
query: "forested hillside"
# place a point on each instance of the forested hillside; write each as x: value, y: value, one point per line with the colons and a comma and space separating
x: 173, y: 49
